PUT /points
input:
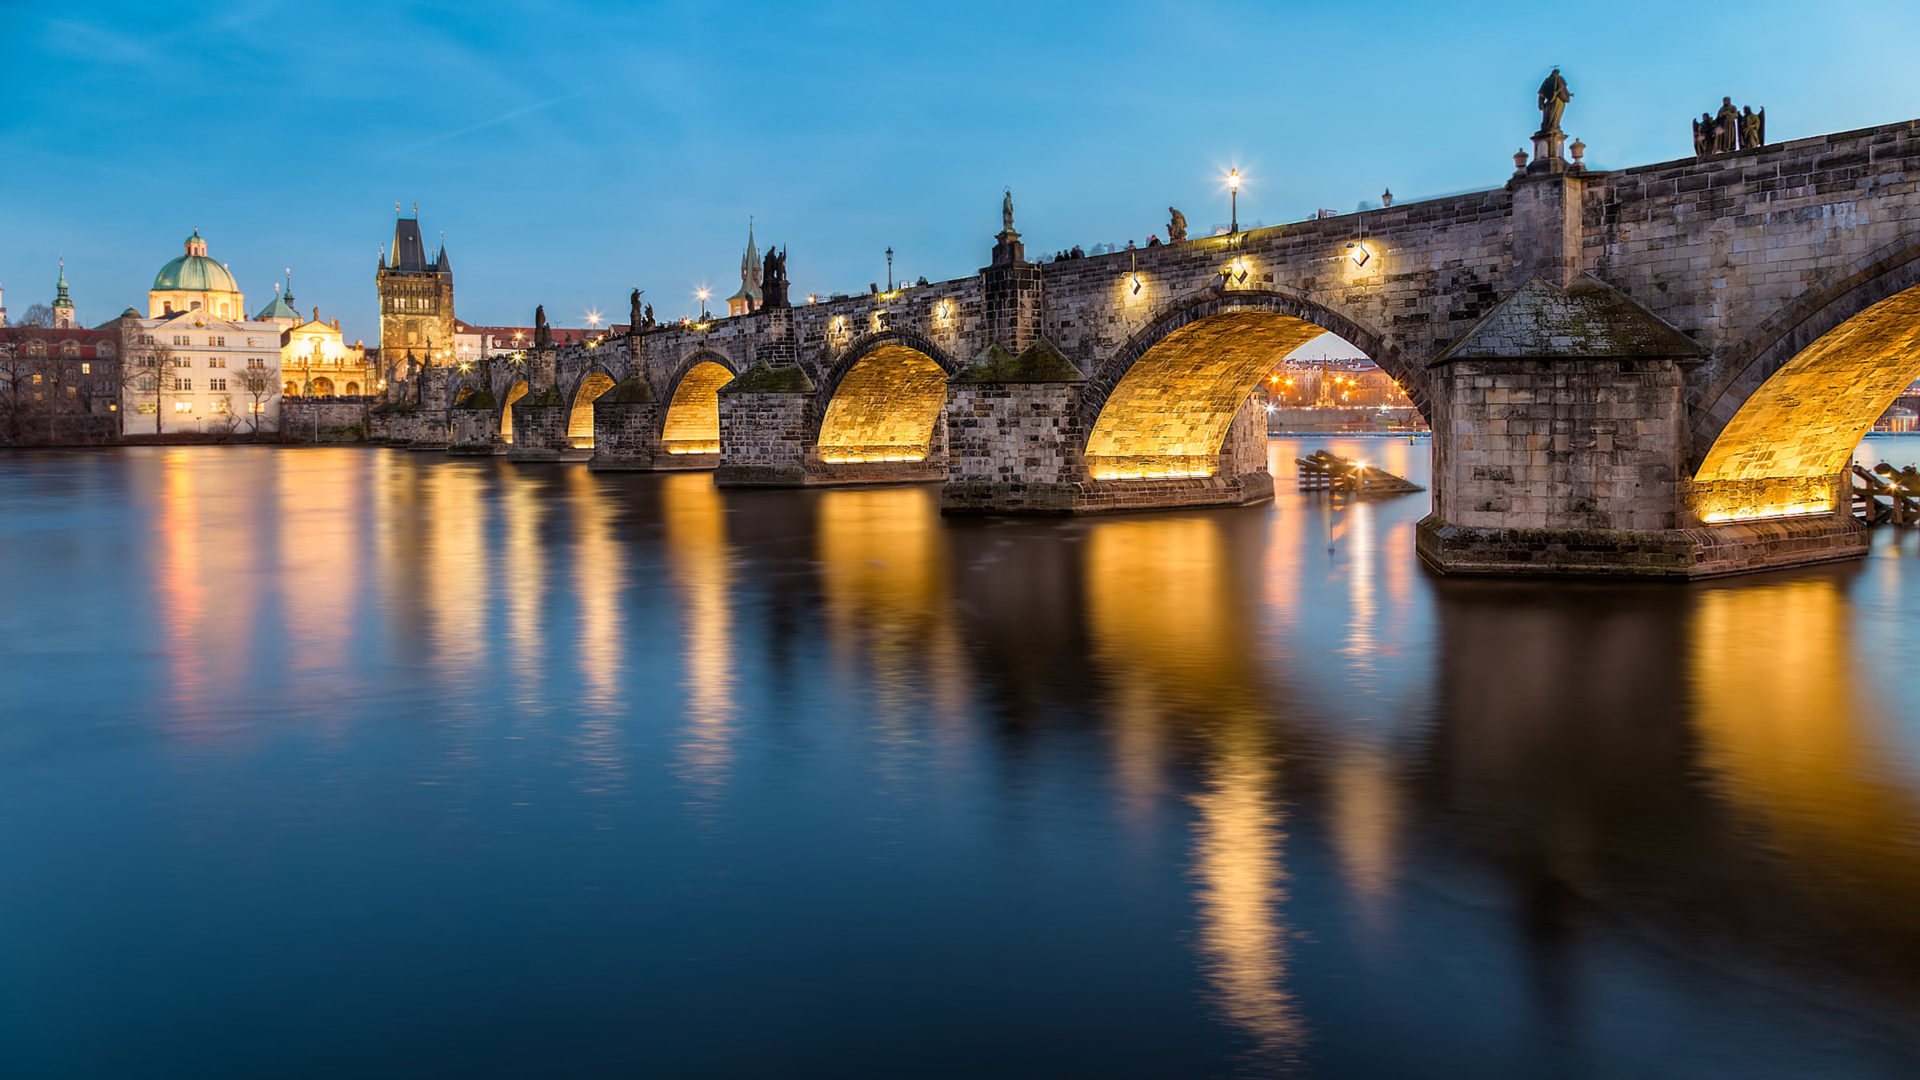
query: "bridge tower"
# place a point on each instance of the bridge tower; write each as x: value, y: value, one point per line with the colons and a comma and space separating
x: 416, y: 297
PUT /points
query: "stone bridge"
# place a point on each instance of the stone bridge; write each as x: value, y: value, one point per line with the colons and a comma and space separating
x: 1661, y: 370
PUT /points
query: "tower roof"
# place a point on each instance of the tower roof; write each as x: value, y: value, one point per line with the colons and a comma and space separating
x: 409, y: 251
x: 749, y: 270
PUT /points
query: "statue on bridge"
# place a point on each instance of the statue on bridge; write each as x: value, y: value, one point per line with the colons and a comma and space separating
x: 647, y: 318
x: 1006, y: 213
x: 1753, y: 128
x: 773, y: 279
x: 1176, y: 227
x: 542, y: 336
x: 635, y: 318
x: 1554, y: 96
x: 1726, y: 128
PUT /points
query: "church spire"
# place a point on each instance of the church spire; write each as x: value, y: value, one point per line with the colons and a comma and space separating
x: 62, y: 303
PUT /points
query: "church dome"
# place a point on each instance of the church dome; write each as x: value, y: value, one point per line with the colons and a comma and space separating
x: 194, y: 271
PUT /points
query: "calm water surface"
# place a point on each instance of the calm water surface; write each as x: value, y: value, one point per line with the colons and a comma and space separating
x: 355, y: 762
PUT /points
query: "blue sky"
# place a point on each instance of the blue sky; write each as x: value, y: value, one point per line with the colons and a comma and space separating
x: 573, y: 150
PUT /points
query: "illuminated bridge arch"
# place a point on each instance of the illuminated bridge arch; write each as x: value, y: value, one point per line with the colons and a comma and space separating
x: 880, y: 399
x: 1777, y: 426
x: 1162, y: 403
x: 596, y: 380
x: 515, y: 391
x: 691, y: 424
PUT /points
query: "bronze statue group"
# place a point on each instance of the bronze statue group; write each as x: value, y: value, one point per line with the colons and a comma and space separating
x: 1729, y: 130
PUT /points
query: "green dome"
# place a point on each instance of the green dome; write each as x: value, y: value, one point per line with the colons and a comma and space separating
x: 194, y: 273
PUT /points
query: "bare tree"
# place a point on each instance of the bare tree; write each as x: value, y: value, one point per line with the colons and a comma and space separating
x: 37, y: 315
x: 148, y: 374
x: 259, y: 385
x: 16, y: 392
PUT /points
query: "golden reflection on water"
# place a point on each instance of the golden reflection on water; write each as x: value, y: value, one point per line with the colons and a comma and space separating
x: 321, y: 559
x: 699, y: 565
x: 181, y: 583
x: 1173, y: 639
x: 454, y: 574
x: 522, y: 568
x: 598, y: 570
x: 1793, y: 739
x: 884, y: 576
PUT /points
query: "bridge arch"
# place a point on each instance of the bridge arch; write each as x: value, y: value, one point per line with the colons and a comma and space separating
x: 515, y: 391
x: 882, y: 397
x: 1779, y: 424
x: 691, y: 422
x: 595, y: 380
x: 1163, y: 402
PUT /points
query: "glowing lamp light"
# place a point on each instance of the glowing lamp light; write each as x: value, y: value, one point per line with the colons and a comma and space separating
x: 1358, y: 252
x: 593, y: 318
x: 1233, y: 179
x: 1133, y: 284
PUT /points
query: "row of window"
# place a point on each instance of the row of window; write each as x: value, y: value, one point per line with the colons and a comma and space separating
x: 68, y: 349
x: 220, y: 406
x: 214, y: 341
x: 256, y: 363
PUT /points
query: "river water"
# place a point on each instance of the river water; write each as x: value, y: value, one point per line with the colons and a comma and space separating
x: 325, y: 762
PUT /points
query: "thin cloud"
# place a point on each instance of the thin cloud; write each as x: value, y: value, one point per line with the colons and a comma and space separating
x: 504, y: 117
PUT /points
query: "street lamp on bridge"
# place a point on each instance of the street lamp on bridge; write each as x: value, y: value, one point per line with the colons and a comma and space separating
x: 1233, y: 189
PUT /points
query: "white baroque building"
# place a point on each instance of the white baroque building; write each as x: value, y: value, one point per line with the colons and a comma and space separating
x: 196, y: 363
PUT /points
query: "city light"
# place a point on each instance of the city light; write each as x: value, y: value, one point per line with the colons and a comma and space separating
x: 593, y: 319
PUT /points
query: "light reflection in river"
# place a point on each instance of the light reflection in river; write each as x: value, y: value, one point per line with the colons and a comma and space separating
x: 700, y: 557
x: 1164, y: 794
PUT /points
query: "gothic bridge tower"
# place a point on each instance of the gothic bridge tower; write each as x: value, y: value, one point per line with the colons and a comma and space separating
x: 416, y: 297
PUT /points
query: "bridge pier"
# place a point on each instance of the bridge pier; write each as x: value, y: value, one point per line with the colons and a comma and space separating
x: 539, y: 428
x: 626, y: 428
x: 473, y: 425
x: 766, y: 428
x: 1016, y: 444
x: 1561, y: 445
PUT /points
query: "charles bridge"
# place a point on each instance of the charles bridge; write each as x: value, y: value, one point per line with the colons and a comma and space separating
x: 1657, y: 371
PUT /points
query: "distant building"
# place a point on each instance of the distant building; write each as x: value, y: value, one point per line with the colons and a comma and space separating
x: 58, y: 384
x: 416, y: 303
x: 315, y: 361
x: 476, y: 343
x: 747, y: 300
x: 196, y: 363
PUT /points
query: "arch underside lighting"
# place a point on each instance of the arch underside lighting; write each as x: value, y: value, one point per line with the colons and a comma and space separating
x: 1169, y: 415
x: 580, y: 420
x: 1785, y: 453
x: 884, y: 408
x: 514, y: 393
x: 693, y: 417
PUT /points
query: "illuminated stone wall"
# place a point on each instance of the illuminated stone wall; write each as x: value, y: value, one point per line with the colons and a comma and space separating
x: 1168, y: 416
x: 539, y: 431
x: 693, y: 417
x: 1013, y: 448
x: 1566, y: 444
x: 310, y: 419
x: 625, y: 434
x: 472, y: 431
x: 764, y: 438
x: 885, y: 409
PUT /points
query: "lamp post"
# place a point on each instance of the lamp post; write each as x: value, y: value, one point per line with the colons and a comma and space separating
x: 889, y: 268
x: 1233, y: 189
